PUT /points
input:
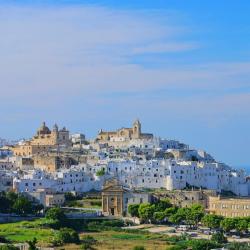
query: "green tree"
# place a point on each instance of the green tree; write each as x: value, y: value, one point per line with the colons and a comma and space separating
x: 55, y: 213
x: 212, y: 220
x: 5, y: 204
x: 162, y: 205
x: 219, y: 238
x: 241, y: 225
x: 32, y: 244
x: 194, y: 214
x: 159, y: 216
x: 12, y: 196
x: 170, y: 211
x: 179, y: 216
x: 146, y: 211
x: 56, y: 217
x: 22, y: 206
x: 133, y: 210
x: 227, y: 224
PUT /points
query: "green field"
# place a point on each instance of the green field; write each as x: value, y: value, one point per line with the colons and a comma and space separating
x: 110, y: 240
x: 27, y: 230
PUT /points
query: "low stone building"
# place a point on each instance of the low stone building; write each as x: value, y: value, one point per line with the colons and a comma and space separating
x: 46, y: 197
x: 185, y: 198
x: 116, y: 198
x: 229, y: 207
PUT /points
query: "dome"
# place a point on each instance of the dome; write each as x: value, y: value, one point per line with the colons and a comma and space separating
x: 43, y: 129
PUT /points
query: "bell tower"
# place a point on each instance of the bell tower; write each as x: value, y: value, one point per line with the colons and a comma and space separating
x: 137, y: 129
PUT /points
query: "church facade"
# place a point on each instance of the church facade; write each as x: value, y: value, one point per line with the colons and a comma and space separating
x: 116, y: 198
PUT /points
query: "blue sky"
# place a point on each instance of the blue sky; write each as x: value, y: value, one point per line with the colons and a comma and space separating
x: 182, y: 67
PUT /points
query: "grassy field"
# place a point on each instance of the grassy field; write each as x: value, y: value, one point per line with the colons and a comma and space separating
x: 107, y: 240
x: 26, y: 230
x: 111, y: 240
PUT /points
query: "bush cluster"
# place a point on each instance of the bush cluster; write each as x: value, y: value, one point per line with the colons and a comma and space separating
x: 11, y: 202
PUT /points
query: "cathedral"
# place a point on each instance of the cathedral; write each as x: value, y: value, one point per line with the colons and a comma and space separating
x: 124, y: 134
x: 43, y: 141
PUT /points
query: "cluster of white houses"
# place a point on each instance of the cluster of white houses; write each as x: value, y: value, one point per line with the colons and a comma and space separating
x: 139, y: 161
x: 154, y: 174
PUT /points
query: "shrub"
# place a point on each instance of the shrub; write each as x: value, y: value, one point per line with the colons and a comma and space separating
x: 88, y: 242
x: 55, y: 213
x: 139, y: 248
x: 219, y: 238
x: 22, y: 206
x: 8, y: 247
x: 202, y: 244
x: 57, y: 217
x: 32, y: 244
x: 67, y: 235
x: 133, y: 210
x: 4, y: 240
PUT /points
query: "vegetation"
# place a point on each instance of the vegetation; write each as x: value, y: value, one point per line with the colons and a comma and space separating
x: 238, y: 246
x: 133, y: 210
x: 11, y: 202
x: 8, y: 247
x: 27, y: 230
x: 32, y: 244
x: 88, y: 242
x: 66, y: 235
x: 56, y: 217
x: 212, y: 220
x: 100, y: 172
x: 139, y: 248
x: 219, y: 238
x: 146, y: 211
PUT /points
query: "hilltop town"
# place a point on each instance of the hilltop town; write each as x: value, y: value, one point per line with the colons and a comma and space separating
x: 54, y: 162
x: 57, y: 186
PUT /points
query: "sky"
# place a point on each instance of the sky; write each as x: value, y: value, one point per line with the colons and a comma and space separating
x: 181, y: 67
